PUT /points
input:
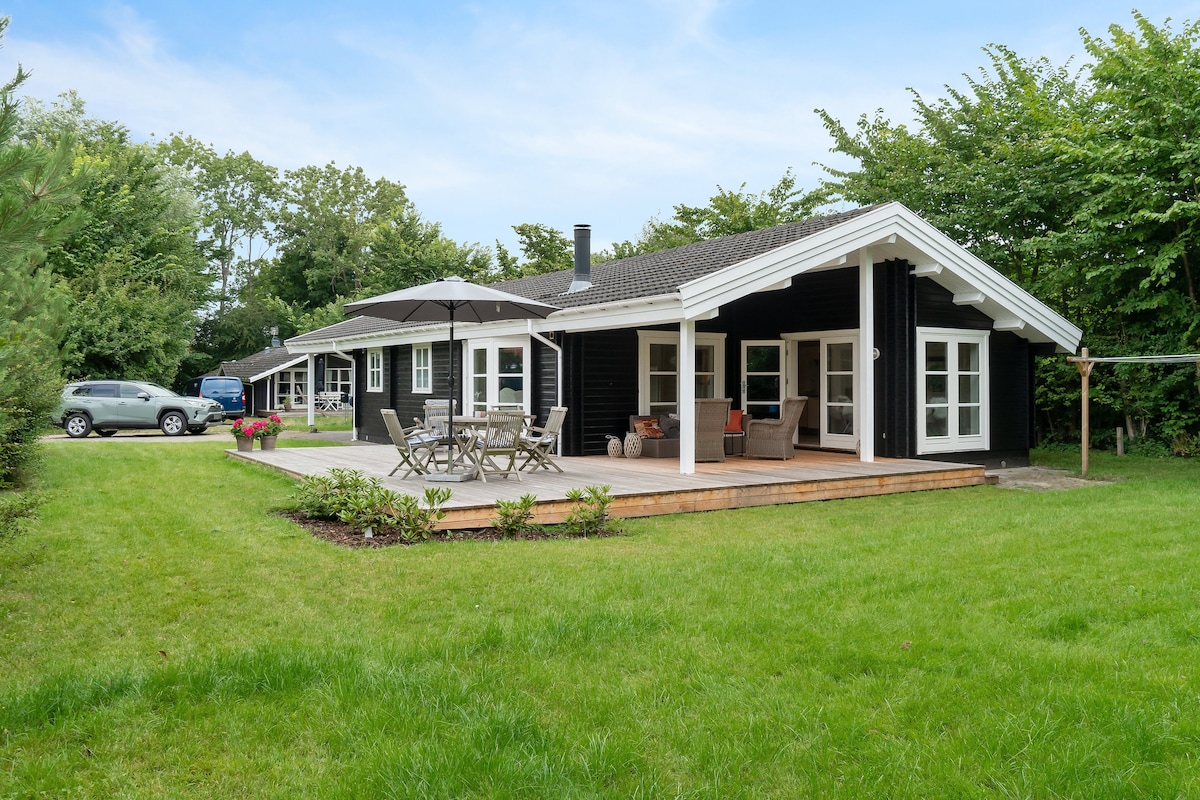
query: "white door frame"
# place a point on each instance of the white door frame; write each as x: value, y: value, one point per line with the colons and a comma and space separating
x: 830, y: 440
x: 785, y: 371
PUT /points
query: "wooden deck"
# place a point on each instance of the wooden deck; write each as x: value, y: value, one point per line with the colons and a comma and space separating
x: 643, y: 487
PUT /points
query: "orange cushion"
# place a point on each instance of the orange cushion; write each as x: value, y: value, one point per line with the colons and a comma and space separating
x: 648, y: 428
x: 735, y: 421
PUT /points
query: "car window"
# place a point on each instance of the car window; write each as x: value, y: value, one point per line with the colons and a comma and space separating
x: 103, y: 390
x: 82, y: 391
x: 130, y: 390
x: 154, y: 390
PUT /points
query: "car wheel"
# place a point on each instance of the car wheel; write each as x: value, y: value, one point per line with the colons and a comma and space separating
x: 173, y: 423
x: 107, y: 432
x: 78, y: 425
x: 198, y: 430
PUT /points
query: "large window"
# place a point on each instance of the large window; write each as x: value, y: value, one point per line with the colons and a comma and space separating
x: 422, y: 370
x: 337, y: 379
x: 952, y: 390
x: 498, y: 373
x: 291, y: 386
x: 658, y: 369
x: 375, y: 370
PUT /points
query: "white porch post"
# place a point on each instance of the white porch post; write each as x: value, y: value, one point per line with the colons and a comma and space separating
x: 312, y: 407
x: 354, y: 395
x: 687, y: 397
x: 866, y: 357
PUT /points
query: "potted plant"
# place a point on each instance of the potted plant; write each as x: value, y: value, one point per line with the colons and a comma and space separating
x: 244, y: 434
x: 271, y: 428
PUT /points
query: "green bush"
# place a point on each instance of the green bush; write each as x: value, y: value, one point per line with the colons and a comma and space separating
x: 590, y: 512
x: 513, y: 517
x: 364, y: 503
x: 15, y: 510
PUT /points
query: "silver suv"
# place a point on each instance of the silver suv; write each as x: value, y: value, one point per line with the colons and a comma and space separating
x: 109, y: 406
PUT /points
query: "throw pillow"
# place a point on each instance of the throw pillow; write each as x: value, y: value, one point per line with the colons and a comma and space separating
x: 648, y: 428
x: 735, y: 421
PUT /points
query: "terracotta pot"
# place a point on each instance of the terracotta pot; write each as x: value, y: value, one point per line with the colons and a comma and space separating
x: 245, y: 445
x: 268, y: 442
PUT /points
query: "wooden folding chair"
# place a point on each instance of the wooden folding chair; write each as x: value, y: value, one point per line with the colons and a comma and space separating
x: 415, y: 445
x: 537, y: 444
x: 498, y: 441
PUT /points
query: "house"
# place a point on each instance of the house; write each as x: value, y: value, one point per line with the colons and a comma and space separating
x: 275, y: 378
x: 906, y: 344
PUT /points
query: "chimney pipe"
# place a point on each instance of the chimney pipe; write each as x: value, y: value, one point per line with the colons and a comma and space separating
x: 583, y: 259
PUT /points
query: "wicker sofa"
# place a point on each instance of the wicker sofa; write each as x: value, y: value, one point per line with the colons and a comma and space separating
x: 711, y: 417
x: 772, y: 438
x: 668, y: 446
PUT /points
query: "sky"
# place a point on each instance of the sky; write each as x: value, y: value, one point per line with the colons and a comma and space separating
x: 494, y: 114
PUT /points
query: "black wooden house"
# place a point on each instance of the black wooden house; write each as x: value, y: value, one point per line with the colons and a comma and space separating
x: 905, y: 343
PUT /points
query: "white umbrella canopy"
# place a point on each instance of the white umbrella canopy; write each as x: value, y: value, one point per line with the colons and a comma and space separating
x: 451, y: 299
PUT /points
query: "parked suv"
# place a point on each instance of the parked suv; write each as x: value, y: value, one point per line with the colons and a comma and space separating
x: 109, y: 406
x: 229, y: 392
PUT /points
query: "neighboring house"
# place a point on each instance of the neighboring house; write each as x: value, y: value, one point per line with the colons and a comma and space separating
x: 906, y: 344
x: 275, y: 378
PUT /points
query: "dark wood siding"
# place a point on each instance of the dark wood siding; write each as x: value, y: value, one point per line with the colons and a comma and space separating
x: 600, y: 388
x: 366, y: 409
x: 895, y: 376
x: 819, y: 301
x: 936, y: 309
x: 544, y: 363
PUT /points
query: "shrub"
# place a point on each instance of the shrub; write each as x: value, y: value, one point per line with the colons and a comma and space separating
x: 1186, y: 445
x: 15, y: 510
x: 513, y: 517
x: 364, y: 503
x: 589, y: 514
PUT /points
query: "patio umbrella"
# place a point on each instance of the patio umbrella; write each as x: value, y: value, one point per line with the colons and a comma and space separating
x: 448, y: 300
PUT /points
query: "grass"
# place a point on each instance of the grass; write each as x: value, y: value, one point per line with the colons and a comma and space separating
x: 162, y: 634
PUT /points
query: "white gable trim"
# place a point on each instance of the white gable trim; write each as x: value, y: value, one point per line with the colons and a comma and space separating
x: 285, y: 365
x: 895, y: 232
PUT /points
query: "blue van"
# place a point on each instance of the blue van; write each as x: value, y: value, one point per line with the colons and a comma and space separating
x: 229, y: 392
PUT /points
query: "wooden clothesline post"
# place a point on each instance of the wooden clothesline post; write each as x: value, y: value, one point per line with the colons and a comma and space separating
x: 1085, y: 372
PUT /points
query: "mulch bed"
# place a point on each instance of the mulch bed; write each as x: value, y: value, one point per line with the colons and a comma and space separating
x: 339, y: 533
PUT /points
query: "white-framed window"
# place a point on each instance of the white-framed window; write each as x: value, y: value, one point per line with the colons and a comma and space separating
x: 375, y: 370
x: 291, y: 386
x: 422, y: 369
x: 658, y: 369
x: 952, y: 390
x: 498, y: 374
x: 337, y: 379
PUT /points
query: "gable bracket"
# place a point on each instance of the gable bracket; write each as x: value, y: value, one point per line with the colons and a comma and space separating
x: 969, y: 299
x: 1009, y: 324
x: 926, y: 270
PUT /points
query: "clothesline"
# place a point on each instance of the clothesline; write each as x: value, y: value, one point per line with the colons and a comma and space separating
x: 1173, y: 359
x: 1085, y: 363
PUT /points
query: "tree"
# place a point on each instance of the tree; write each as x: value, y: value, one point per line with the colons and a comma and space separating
x: 727, y: 213
x: 37, y: 198
x: 324, y: 233
x: 238, y: 197
x: 1080, y: 186
x: 134, y: 267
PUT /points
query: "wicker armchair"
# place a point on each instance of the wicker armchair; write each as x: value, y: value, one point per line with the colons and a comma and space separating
x: 772, y: 438
x: 711, y: 418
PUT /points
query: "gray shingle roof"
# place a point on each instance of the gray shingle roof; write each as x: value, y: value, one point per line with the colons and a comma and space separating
x: 258, y: 363
x: 663, y: 272
x: 646, y: 275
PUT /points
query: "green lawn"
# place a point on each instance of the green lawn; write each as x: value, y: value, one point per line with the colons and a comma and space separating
x: 163, y: 635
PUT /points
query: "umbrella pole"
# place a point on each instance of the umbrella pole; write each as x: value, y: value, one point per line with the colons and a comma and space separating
x: 450, y: 475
